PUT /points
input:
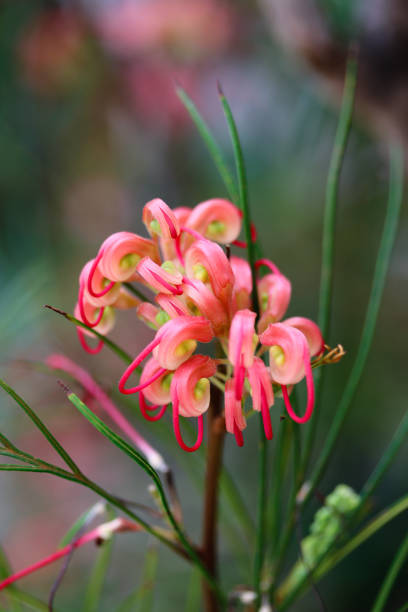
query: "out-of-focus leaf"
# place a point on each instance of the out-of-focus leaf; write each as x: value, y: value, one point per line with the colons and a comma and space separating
x: 141, y: 600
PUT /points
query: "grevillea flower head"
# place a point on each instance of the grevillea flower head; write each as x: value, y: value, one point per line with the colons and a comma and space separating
x: 216, y: 219
x: 160, y: 220
x: 201, y: 293
x: 121, y: 252
x: 206, y: 261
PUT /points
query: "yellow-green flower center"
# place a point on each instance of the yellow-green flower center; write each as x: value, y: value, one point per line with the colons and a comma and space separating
x: 264, y: 301
x: 200, y: 273
x: 185, y: 347
x: 168, y: 266
x: 166, y: 381
x: 129, y: 261
x: 277, y: 353
x: 155, y: 227
x: 162, y: 317
x: 201, y: 388
x: 215, y: 228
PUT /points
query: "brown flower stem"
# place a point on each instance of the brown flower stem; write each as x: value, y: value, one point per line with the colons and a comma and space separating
x: 216, y: 434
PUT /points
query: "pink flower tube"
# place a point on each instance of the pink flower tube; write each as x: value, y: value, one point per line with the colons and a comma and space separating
x: 234, y: 419
x: 149, y: 314
x: 241, y: 346
x: 202, y: 301
x: 160, y: 220
x: 173, y: 344
x: 289, y: 362
x: 216, y: 219
x: 262, y: 393
x: 171, y: 248
x: 206, y: 261
x: 173, y: 305
x: 162, y: 278
x: 155, y: 385
x: 120, y: 254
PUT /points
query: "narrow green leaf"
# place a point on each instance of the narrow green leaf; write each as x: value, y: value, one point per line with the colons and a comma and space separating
x: 380, y: 273
x: 133, y: 454
x: 194, y: 592
x: 40, y: 425
x: 391, y: 576
x: 243, y: 191
x: 98, y: 576
x: 211, y: 144
x: 141, y: 600
x: 109, y: 343
x: 328, y: 237
x: 29, y: 601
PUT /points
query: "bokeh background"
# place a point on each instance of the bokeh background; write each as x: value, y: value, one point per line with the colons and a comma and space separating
x: 91, y: 129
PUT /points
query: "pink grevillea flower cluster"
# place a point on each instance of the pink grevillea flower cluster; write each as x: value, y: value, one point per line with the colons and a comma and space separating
x: 200, y: 294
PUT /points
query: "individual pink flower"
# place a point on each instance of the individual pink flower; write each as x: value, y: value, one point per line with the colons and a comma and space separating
x: 191, y: 385
x: 262, y: 393
x: 289, y: 362
x: 201, y: 301
x: 173, y: 344
x: 241, y: 346
x: 158, y: 389
x: 241, y: 292
x: 235, y: 421
x: 173, y: 305
x: 207, y: 262
x: 160, y: 220
x: 274, y: 291
x: 216, y: 219
x: 121, y: 252
x: 170, y: 248
x: 190, y: 395
x: 165, y: 278
x: 149, y: 314
x: 104, y: 291
x: 311, y: 331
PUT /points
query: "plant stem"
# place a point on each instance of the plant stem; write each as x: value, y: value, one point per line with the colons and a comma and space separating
x: 391, y: 576
x: 380, y: 273
x: 329, y: 226
x: 261, y: 518
x: 216, y: 434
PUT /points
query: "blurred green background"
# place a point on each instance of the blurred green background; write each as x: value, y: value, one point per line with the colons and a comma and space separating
x: 91, y: 129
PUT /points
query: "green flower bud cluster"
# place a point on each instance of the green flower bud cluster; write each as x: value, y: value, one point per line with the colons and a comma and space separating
x: 327, y: 524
